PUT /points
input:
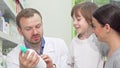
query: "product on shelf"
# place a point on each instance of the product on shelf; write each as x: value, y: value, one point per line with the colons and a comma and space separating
x: 4, y: 25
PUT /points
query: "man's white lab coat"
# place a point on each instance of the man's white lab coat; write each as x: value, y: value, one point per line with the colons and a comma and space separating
x: 54, y: 47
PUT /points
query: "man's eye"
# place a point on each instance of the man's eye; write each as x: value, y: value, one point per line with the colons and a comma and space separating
x: 38, y: 26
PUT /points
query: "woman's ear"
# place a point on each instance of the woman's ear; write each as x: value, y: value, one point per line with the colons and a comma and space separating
x: 107, y: 27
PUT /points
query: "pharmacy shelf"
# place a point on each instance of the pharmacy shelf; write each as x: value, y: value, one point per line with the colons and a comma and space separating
x: 7, y: 10
x: 5, y: 37
x: 7, y: 7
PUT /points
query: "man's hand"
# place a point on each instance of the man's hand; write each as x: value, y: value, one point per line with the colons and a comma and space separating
x: 48, y: 61
x: 28, y: 62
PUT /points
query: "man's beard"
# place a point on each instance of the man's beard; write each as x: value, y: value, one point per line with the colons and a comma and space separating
x: 30, y: 41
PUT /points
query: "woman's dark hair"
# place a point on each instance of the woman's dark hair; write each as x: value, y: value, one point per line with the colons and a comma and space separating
x: 108, y: 14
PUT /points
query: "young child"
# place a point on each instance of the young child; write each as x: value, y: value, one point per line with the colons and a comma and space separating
x: 84, y: 52
x: 106, y: 24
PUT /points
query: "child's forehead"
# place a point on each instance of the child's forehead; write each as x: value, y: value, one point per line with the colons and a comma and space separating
x: 77, y: 14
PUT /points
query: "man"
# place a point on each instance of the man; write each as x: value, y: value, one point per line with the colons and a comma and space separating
x: 52, y: 50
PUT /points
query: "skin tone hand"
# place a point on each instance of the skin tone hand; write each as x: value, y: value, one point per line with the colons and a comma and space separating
x: 48, y: 61
x: 29, y: 62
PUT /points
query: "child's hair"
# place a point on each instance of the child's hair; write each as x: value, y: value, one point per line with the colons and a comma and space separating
x: 86, y: 9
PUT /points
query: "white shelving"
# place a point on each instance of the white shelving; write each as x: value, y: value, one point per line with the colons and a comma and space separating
x: 6, y: 37
x: 8, y: 12
x: 7, y: 9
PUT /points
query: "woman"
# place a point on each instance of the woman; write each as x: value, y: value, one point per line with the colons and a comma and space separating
x: 106, y: 24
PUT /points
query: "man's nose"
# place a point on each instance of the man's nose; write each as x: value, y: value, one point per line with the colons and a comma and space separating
x: 34, y: 31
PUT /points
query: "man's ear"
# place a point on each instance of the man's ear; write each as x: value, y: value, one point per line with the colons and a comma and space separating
x: 20, y: 31
x: 107, y: 27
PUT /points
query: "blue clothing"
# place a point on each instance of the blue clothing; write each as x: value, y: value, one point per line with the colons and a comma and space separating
x: 41, y: 49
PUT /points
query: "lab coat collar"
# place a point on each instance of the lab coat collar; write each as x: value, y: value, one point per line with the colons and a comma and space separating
x: 41, y: 49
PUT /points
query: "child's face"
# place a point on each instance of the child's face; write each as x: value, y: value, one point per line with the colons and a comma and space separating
x: 80, y: 23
